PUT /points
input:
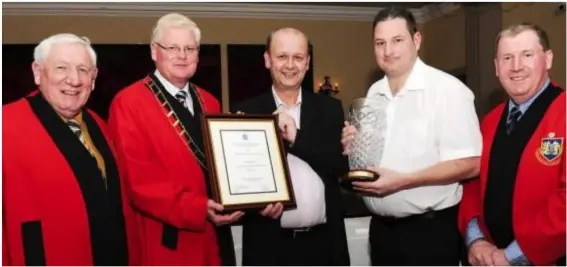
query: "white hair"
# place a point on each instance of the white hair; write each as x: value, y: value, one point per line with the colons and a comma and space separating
x: 175, y: 20
x: 42, y: 49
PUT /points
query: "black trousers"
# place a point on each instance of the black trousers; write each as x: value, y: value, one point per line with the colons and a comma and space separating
x: 304, y: 247
x: 226, y: 245
x: 426, y: 239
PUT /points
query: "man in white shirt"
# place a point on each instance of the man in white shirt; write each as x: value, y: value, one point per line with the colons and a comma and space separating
x: 314, y: 232
x: 432, y: 142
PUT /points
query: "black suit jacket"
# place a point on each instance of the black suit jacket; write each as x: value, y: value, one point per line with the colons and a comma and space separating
x: 318, y: 143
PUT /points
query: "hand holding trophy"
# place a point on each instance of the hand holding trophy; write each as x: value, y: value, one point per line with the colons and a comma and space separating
x: 363, y: 140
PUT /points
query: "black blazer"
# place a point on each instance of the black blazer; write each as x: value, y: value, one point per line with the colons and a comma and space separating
x: 318, y: 143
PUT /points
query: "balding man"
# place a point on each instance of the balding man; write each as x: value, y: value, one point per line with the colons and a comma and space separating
x: 62, y: 200
x: 314, y: 232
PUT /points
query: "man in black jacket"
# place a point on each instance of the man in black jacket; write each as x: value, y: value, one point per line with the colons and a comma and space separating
x: 314, y: 232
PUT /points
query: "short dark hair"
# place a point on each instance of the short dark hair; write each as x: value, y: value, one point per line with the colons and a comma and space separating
x: 394, y: 12
x: 516, y: 29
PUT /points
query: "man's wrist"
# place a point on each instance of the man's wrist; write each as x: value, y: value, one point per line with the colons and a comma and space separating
x: 288, y: 143
x: 410, y: 180
x: 515, y: 256
x: 473, y: 232
x: 476, y: 240
x: 293, y: 138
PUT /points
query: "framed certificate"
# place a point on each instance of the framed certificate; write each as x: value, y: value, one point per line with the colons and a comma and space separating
x: 247, y: 162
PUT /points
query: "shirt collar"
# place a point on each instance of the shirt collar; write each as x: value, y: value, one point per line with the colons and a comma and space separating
x: 78, y: 118
x: 415, y: 80
x: 170, y: 88
x: 524, y: 106
x: 280, y: 103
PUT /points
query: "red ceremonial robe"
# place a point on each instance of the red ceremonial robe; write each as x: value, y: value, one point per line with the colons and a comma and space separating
x: 56, y: 208
x: 521, y: 191
x: 166, y: 182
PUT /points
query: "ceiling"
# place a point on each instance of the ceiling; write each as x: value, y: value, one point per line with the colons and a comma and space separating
x: 357, y: 4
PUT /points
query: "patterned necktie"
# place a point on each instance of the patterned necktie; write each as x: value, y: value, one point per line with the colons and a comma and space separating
x: 182, y: 97
x: 513, y: 117
x: 76, y: 128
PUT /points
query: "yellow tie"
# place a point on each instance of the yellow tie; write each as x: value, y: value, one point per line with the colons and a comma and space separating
x: 76, y: 128
x: 81, y: 132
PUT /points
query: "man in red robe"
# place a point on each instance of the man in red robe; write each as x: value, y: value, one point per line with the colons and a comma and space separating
x: 156, y: 123
x: 515, y: 213
x: 62, y: 201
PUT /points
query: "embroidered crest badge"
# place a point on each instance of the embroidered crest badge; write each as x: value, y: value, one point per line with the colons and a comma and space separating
x: 550, y: 149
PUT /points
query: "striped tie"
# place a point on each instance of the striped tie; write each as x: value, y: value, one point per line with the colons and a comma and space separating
x: 76, y: 128
x: 513, y: 117
x: 182, y: 97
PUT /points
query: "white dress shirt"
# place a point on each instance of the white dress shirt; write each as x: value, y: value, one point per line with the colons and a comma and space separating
x: 172, y: 90
x: 308, y: 187
x: 431, y: 119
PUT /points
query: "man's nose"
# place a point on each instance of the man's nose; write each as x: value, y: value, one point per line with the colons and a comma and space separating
x: 388, y: 50
x: 73, y: 77
x: 182, y: 54
x: 517, y: 64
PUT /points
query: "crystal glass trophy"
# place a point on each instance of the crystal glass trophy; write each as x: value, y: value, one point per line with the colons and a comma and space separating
x: 368, y: 116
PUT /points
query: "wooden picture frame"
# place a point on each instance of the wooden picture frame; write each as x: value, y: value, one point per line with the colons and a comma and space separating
x: 247, y: 161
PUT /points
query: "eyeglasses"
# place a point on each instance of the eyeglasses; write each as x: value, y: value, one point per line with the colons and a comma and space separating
x: 177, y: 50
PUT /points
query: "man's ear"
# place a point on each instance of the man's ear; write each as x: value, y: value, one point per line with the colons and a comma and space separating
x: 267, y: 60
x: 548, y: 59
x: 95, y: 73
x: 417, y: 41
x: 153, y: 51
x: 36, y: 69
x: 496, y: 66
